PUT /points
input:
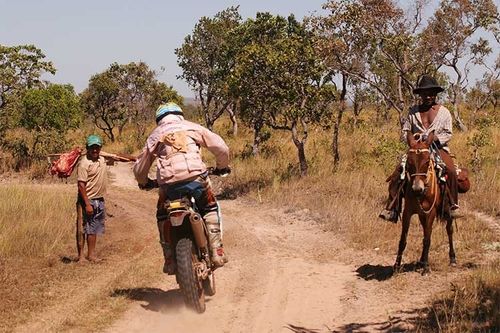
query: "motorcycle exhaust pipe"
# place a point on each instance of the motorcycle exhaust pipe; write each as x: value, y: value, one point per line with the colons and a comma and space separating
x: 198, y: 231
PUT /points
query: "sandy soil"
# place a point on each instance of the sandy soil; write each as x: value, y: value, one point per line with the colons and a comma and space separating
x: 285, y: 274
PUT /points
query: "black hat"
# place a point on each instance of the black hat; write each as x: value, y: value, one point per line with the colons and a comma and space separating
x: 427, y: 82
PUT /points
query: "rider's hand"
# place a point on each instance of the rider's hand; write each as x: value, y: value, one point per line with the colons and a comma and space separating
x: 222, y: 172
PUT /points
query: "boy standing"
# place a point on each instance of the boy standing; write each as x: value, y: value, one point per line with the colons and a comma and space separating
x: 92, y: 182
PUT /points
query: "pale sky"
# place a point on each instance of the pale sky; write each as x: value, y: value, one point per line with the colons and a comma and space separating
x: 83, y: 38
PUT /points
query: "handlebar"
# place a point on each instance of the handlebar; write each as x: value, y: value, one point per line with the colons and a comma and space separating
x: 219, y: 172
x: 153, y: 183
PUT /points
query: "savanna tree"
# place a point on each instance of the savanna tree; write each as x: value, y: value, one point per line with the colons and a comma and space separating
x: 125, y: 94
x: 451, y: 38
x: 47, y: 114
x: 371, y: 42
x: 20, y: 68
x: 278, y: 79
x: 140, y: 93
x: 100, y: 101
x: 207, y: 59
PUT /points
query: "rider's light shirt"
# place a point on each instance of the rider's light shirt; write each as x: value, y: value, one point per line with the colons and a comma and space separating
x: 176, y: 144
x: 441, y: 125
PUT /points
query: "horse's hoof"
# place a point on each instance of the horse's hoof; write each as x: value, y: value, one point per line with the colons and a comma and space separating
x: 396, y: 269
x: 426, y: 271
x: 453, y: 263
x: 419, y: 265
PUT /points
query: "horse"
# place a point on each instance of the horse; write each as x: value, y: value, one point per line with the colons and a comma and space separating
x: 423, y: 196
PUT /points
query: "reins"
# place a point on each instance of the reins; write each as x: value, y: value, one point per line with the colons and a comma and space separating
x: 429, y: 178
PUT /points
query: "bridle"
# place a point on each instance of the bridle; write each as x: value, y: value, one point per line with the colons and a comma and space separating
x: 429, y: 180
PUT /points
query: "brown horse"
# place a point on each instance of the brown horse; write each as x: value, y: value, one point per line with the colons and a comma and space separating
x: 424, y: 197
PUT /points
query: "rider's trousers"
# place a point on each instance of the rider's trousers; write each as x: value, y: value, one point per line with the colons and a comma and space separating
x: 451, y: 181
x: 201, y: 190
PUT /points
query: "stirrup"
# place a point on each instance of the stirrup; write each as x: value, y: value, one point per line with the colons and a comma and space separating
x: 455, y: 212
x: 389, y: 215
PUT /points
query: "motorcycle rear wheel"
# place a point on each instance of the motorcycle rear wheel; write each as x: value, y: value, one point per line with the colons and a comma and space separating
x: 191, y: 285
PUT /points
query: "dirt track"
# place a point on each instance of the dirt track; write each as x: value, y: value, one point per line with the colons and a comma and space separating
x: 285, y: 274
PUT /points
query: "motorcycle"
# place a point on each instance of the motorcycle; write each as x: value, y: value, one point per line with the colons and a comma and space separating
x: 194, y: 270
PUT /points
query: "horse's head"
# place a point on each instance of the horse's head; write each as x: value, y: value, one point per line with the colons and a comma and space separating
x: 418, y: 159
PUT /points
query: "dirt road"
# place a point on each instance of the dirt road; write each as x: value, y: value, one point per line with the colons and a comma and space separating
x: 285, y: 274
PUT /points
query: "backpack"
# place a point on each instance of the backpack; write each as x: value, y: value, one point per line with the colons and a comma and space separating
x: 64, y: 165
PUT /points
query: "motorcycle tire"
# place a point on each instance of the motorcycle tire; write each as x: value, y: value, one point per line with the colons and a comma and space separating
x: 209, y: 285
x: 191, y: 286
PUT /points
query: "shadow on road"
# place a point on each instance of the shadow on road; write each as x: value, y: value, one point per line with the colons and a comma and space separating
x: 405, y: 321
x: 382, y: 273
x: 157, y: 299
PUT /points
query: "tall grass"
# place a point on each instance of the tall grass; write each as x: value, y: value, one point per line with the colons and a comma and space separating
x: 35, y: 220
x: 472, y: 305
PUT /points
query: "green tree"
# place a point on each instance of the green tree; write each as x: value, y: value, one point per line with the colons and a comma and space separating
x: 451, y: 39
x: 207, y: 58
x: 47, y: 114
x: 371, y: 43
x: 125, y: 94
x: 20, y: 68
x: 278, y: 79
x: 100, y: 101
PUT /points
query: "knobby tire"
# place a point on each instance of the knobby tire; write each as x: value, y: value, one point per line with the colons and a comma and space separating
x: 191, y: 287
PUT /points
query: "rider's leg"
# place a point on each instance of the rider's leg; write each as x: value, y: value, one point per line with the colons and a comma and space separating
x: 209, y: 208
x: 451, y: 182
x: 164, y: 232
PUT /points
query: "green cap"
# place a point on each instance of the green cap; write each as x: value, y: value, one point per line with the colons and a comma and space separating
x: 94, y: 140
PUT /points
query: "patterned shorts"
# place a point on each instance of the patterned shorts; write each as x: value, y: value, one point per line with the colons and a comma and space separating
x: 94, y: 224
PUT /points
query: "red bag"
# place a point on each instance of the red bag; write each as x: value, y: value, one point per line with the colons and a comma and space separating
x: 64, y: 165
x: 463, y: 180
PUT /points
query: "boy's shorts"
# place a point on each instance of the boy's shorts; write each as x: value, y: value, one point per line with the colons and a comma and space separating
x: 94, y: 224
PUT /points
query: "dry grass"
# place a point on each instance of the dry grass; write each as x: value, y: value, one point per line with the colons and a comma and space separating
x: 36, y: 219
x: 36, y: 224
x: 472, y: 305
x: 37, y: 276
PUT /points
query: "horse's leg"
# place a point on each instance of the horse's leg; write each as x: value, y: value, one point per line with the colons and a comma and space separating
x: 402, y: 240
x: 449, y: 230
x: 426, y: 222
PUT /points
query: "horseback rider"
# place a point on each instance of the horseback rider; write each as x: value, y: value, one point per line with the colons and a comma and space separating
x: 176, y: 143
x: 425, y: 118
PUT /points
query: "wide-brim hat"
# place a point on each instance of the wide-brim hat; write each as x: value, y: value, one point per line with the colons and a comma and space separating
x: 427, y: 82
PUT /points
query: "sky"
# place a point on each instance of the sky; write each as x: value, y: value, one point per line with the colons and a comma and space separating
x: 83, y: 38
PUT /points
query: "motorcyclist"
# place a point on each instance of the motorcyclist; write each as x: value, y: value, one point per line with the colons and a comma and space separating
x: 176, y: 143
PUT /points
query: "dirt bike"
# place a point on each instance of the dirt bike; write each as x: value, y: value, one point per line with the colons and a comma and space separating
x: 189, y: 240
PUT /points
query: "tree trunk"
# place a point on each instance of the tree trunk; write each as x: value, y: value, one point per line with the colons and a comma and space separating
x: 257, y: 127
x: 234, y: 121
x: 458, y: 121
x: 336, y: 127
x: 300, y: 144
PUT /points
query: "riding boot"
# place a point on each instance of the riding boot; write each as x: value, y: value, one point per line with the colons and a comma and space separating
x: 452, y: 183
x: 215, y: 239
x: 169, y: 264
x: 164, y: 233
